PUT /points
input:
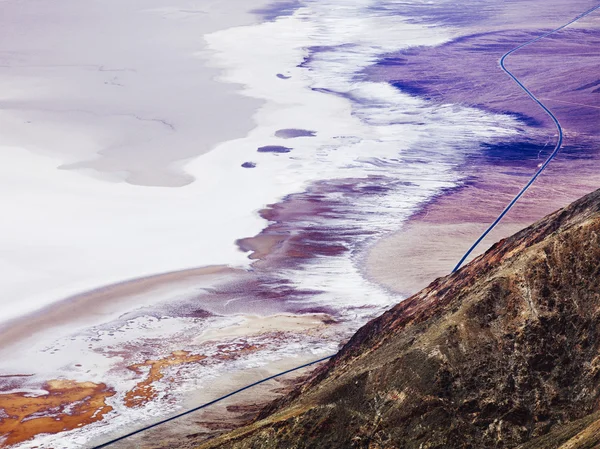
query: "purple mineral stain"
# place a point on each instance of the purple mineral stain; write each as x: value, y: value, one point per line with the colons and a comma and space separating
x: 274, y: 149
x: 278, y: 9
x: 292, y: 133
x: 249, y: 165
x: 283, y: 77
x: 416, y: 71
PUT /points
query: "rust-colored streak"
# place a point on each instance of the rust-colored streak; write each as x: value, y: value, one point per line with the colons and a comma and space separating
x: 144, y: 391
x: 67, y: 405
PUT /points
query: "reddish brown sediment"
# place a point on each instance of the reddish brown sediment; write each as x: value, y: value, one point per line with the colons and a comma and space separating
x: 67, y: 405
x: 301, y: 230
x: 205, y: 424
x: 144, y: 391
x: 503, y: 353
x: 70, y: 405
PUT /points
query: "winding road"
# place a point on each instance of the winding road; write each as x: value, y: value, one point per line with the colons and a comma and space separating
x: 462, y: 260
x: 552, y: 116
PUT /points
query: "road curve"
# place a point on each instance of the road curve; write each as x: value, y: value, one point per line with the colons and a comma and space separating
x: 552, y: 116
x: 492, y: 226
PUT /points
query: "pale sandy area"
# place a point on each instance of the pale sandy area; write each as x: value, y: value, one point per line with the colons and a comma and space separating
x: 255, y: 325
x: 432, y: 242
x: 409, y: 260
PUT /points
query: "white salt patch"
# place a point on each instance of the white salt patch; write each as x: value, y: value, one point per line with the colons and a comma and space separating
x: 68, y: 232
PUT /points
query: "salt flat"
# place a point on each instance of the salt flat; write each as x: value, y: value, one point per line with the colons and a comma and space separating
x: 101, y: 105
x: 119, y: 89
x: 122, y: 232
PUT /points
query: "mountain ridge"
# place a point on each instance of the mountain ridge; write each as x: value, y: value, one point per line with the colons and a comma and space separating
x: 504, y: 352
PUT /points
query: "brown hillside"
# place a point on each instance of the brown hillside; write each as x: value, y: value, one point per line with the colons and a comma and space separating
x: 503, y: 353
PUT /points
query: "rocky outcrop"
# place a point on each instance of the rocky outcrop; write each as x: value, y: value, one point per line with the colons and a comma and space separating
x: 504, y: 353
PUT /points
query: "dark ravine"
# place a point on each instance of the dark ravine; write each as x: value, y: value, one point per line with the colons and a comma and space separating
x: 504, y: 353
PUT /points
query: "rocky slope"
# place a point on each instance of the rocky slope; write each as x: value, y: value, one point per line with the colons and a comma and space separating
x: 504, y: 353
